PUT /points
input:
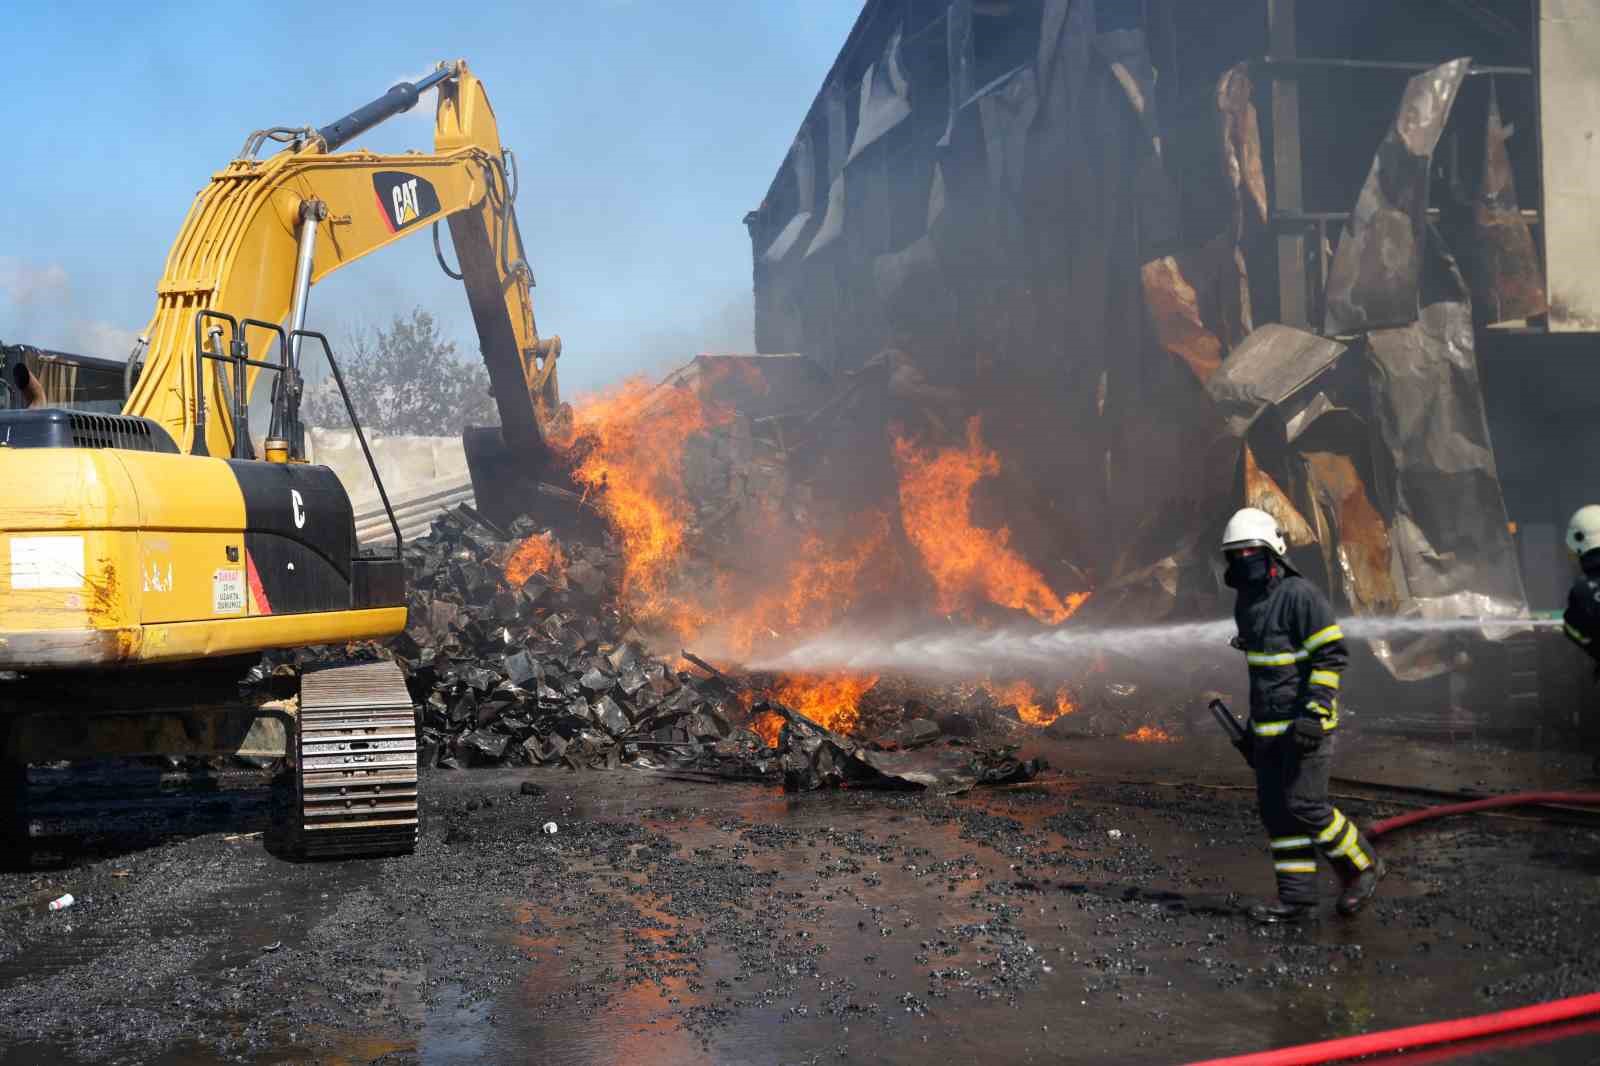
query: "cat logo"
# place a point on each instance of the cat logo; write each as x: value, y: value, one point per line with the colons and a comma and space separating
x: 405, y: 202
x: 404, y: 199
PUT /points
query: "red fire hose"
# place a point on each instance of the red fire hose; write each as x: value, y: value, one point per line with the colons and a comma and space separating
x: 1434, y: 1033
x: 1517, y: 799
x: 1391, y: 1040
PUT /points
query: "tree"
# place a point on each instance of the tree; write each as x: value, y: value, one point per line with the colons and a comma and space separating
x: 406, y: 379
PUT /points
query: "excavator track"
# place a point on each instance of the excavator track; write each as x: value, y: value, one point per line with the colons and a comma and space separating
x: 356, y: 762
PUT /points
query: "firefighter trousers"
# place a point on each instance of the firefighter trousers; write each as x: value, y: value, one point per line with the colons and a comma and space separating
x: 1292, y: 792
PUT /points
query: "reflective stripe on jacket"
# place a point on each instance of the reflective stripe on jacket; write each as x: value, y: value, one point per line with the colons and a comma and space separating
x: 1296, y: 654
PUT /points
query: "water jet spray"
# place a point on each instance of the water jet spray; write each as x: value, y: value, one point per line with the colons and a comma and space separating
x: 970, y: 651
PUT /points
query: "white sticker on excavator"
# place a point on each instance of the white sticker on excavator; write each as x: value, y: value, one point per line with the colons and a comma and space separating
x: 227, y: 591
x: 47, y: 562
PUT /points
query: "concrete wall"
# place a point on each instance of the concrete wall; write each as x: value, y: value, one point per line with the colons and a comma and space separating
x: 1569, y: 94
x: 409, y: 465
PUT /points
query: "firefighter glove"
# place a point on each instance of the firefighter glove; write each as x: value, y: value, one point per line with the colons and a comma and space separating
x: 1308, y: 734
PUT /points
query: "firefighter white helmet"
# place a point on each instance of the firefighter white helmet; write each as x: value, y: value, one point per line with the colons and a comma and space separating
x: 1253, y: 527
x: 1583, y: 532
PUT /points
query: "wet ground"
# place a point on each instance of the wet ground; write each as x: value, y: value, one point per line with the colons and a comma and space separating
x: 1088, y: 917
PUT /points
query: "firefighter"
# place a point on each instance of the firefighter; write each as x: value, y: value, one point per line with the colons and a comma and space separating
x: 1295, y: 652
x: 1583, y: 602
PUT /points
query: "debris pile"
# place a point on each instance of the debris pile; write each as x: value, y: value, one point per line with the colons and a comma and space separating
x: 814, y: 757
x: 518, y: 654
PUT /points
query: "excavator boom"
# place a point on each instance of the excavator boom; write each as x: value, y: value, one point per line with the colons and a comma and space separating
x: 264, y: 231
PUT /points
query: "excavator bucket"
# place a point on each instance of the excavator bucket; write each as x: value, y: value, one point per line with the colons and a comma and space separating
x: 508, y: 482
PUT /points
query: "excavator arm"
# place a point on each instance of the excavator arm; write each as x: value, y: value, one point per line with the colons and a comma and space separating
x: 263, y: 231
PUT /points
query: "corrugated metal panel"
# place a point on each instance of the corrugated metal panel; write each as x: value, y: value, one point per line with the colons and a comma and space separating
x: 414, y: 512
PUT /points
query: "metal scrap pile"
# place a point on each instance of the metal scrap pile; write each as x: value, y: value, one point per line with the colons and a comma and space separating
x: 517, y: 654
x: 539, y: 667
x: 814, y: 757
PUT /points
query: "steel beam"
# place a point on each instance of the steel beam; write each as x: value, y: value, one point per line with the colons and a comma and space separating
x: 1287, y: 190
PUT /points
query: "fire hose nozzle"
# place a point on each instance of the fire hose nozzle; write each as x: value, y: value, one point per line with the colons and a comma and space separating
x: 1225, y: 718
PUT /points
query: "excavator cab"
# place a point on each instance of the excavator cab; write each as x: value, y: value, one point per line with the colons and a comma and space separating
x: 76, y: 382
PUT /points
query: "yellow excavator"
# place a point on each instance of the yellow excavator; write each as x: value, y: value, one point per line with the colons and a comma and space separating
x: 148, y: 558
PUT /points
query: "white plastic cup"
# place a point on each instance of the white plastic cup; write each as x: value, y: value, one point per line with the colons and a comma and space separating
x: 61, y: 903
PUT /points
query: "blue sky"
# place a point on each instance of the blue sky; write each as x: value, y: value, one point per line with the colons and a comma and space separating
x: 644, y: 131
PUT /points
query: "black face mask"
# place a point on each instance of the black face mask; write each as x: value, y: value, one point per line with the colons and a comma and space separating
x: 1246, y: 571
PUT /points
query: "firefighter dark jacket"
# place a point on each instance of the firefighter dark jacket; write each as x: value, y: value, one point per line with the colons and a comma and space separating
x: 1296, y: 653
x: 1583, y: 607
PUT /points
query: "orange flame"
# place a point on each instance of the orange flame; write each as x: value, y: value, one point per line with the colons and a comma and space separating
x: 539, y: 554
x: 629, y: 446
x: 830, y: 700
x: 1024, y: 699
x: 1149, y: 734
x: 767, y: 725
x: 964, y: 560
x: 822, y: 582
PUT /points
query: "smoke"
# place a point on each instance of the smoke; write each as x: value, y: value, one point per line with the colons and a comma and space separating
x: 724, y: 325
x: 26, y: 284
x: 40, y: 307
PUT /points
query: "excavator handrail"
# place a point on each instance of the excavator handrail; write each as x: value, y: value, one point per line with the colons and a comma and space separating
x: 241, y: 418
x: 200, y: 356
x: 355, y: 424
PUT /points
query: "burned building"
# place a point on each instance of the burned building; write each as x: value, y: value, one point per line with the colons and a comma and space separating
x: 1335, y: 260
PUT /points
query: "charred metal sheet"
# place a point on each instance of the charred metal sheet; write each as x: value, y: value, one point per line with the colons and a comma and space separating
x: 833, y: 221
x: 1299, y: 417
x: 1376, y: 273
x: 1063, y: 177
x: 1174, y: 307
x: 1449, y: 528
x: 1005, y: 112
x: 801, y: 164
x: 1007, y: 109
x: 1127, y: 55
x: 1262, y: 491
x: 1272, y: 364
x: 814, y: 757
x: 1502, y: 263
x: 960, y: 59
x: 885, y: 98
x: 1064, y: 37
x: 1353, y: 535
x: 1240, y: 131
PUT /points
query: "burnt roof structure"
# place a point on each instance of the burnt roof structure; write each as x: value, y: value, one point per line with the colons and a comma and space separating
x: 1076, y: 212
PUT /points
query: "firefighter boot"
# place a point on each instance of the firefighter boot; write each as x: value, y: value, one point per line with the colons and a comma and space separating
x: 1360, y: 888
x: 1281, y: 913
